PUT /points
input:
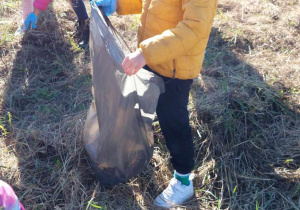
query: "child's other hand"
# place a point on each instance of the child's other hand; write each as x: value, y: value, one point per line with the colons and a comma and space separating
x: 133, y: 63
x: 109, y: 6
x: 31, y: 21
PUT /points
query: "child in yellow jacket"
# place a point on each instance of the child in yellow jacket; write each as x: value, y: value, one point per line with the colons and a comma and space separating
x: 172, y: 39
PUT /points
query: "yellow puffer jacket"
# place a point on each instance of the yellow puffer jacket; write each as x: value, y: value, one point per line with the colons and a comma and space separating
x: 173, y: 33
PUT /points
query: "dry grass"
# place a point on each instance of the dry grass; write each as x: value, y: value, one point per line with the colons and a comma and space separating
x: 244, y: 113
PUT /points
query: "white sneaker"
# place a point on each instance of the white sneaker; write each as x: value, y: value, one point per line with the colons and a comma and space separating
x: 175, y: 194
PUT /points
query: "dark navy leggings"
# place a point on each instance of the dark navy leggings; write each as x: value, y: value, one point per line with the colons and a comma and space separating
x: 80, y: 10
x: 173, y: 117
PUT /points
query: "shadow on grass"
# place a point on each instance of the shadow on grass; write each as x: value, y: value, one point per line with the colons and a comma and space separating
x: 47, y: 100
x: 248, y: 134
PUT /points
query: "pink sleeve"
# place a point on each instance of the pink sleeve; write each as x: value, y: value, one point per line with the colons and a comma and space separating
x: 8, y: 198
x: 41, y: 4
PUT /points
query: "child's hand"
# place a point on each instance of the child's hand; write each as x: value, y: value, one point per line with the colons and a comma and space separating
x: 31, y: 21
x: 109, y: 6
x: 133, y: 63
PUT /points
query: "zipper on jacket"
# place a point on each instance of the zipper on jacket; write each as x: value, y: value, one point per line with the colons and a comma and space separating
x: 173, y: 77
x: 174, y: 70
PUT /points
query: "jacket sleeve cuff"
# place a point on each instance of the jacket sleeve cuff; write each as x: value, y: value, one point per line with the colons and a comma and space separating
x: 155, y: 50
x: 146, y: 57
x: 41, y: 4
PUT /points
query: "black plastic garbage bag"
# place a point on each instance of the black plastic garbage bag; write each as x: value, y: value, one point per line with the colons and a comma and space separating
x: 118, y: 134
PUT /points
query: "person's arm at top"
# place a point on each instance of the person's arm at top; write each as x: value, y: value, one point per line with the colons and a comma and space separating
x: 126, y: 7
x: 122, y: 7
x: 39, y: 5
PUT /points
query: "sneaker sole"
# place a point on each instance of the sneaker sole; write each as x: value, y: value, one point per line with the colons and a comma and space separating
x: 165, y: 207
